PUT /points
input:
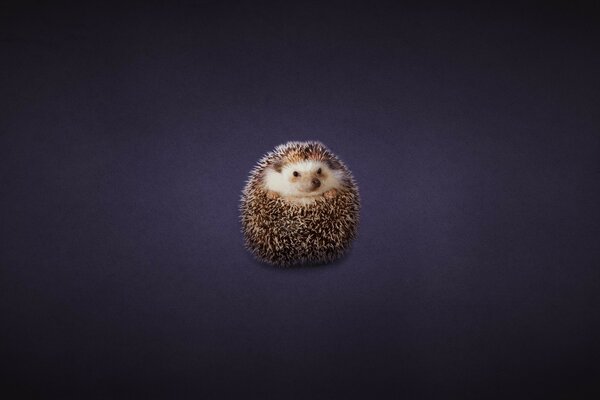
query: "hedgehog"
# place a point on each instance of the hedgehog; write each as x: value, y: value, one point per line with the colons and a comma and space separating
x: 299, y: 206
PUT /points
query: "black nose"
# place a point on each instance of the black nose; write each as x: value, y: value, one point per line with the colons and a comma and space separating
x: 316, y: 183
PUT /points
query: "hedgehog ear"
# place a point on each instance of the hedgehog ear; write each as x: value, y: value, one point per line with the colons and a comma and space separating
x: 333, y: 164
x: 277, y: 166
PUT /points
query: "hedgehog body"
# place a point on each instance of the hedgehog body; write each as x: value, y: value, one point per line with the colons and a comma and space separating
x: 300, y: 205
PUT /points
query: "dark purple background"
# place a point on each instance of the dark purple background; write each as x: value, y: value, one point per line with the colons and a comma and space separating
x: 126, y: 138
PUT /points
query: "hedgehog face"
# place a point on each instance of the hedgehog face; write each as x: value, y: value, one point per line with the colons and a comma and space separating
x: 302, y: 179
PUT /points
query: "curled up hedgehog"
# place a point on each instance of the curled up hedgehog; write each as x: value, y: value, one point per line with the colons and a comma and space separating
x: 300, y: 205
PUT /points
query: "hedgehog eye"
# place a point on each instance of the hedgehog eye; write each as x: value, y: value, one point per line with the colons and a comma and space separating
x: 296, y: 173
x: 319, y: 171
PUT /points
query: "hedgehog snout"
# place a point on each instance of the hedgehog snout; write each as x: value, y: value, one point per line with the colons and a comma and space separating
x: 309, y: 184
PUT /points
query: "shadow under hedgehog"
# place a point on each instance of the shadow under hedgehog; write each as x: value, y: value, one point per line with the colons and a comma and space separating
x: 300, y: 205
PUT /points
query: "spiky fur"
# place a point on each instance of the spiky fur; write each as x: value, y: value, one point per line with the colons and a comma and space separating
x: 288, y: 230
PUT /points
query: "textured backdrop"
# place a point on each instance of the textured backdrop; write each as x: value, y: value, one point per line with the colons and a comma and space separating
x: 127, y: 134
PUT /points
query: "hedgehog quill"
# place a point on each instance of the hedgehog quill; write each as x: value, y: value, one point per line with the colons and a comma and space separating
x: 299, y: 206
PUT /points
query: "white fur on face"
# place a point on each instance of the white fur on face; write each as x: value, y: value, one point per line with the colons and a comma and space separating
x: 283, y: 184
